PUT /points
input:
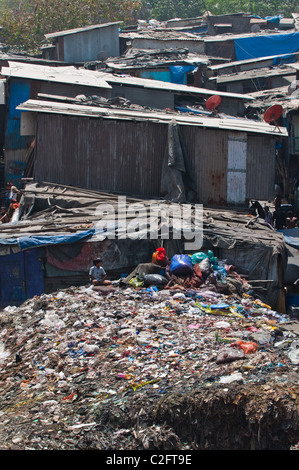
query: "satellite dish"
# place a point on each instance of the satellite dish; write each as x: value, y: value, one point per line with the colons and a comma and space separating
x: 273, y: 113
x: 213, y: 102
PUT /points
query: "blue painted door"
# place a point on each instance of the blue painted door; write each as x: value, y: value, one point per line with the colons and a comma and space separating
x: 34, y: 275
x: 21, y: 277
x: 12, y: 278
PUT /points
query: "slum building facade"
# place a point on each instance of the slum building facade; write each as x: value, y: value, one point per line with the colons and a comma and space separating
x: 23, y: 81
x: 91, y: 43
x: 230, y: 160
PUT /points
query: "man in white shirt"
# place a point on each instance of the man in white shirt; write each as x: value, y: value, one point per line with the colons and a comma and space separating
x: 97, y: 274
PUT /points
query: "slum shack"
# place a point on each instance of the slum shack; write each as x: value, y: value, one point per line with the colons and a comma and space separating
x: 24, y: 80
x: 28, y: 80
x: 221, y: 160
x: 60, y: 231
x: 253, y: 80
x: 94, y: 42
x: 171, y: 94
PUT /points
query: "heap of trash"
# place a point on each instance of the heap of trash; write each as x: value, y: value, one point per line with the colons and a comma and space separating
x: 152, y: 362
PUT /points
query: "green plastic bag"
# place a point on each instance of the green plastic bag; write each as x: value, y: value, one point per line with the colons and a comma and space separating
x: 198, y: 257
x: 136, y: 282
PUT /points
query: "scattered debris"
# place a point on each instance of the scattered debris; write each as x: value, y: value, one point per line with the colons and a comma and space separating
x: 85, y: 369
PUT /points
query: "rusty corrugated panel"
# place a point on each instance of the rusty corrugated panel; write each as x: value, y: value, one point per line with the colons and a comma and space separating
x: 207, y: 151
x: 260, y: 167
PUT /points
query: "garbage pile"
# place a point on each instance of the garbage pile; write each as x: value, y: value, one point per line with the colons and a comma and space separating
x: 189, y: 272
x: 87, y: 368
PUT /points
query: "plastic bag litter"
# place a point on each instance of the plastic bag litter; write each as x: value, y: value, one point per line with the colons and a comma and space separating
x: 229, y: 354
x: 136, y: 282
x: 247, y: 347
x: 205, y: 267
x: 198, y: 257
x: 222, y: 324
x: 227, y: 379
x: 293, y: 354
x: 3, y: 354
x: 90, y: 348
x: 220, y: 271
x: 154, y: 279
x: 52, y: 320
x: 10, y: 309
x: 181, y: 265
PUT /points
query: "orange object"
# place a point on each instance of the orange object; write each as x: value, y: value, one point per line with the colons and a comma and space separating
x: 248, y: 347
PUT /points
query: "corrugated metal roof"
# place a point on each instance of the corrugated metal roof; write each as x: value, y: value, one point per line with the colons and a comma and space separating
x: 67, y: 74
x: 232, y: 37
x: 251, y: 74
x: 249, y: 61
x: 79, y: 30
x: 230, y: 123
x: 156, y: 84
x: 72, y: 75
x: 162, y: 34
x: 294, y: 66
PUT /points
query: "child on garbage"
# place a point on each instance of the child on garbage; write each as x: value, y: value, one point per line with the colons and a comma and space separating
x: 97, y: 274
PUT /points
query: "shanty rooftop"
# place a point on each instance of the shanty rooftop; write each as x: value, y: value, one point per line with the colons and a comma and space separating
x: 238, y: 124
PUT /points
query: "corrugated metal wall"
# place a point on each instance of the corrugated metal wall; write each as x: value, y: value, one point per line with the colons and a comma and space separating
x: 260, y: 167
x: 207, y: 150
x: 294, y: 138
x: 86, y: 45
x: 122, y: 156
x: 160, y: 99
x: 65, y: 89
x: 127, y: 156
x: 236, y: 167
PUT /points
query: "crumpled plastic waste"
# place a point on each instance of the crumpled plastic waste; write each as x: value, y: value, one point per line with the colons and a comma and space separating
x: 68, y: 357
x: 247, y: 347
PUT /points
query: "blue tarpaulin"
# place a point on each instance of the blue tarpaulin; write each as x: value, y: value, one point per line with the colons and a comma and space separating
x: 270, y: 19
x: 31, y: 241
x: 291, y: 236
x: 179, y: 73
x: 263, y: 46
x: 285, y: 59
